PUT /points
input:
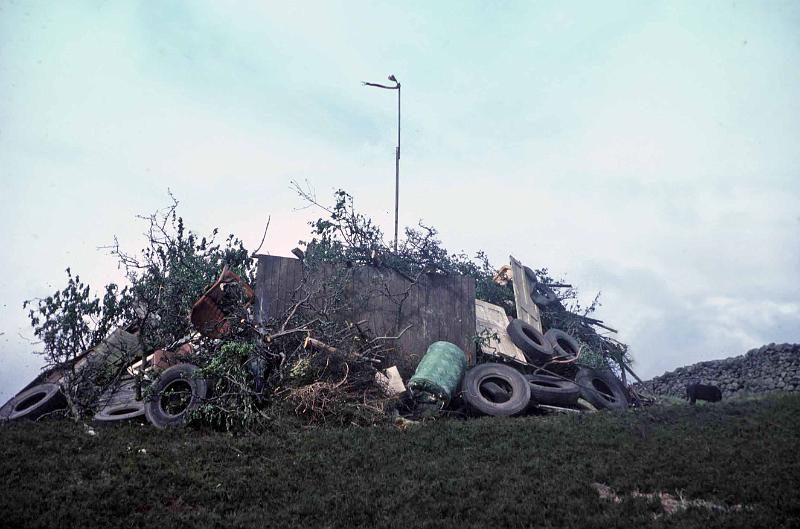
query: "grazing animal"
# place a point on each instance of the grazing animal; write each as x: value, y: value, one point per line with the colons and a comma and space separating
x: 703, y: 392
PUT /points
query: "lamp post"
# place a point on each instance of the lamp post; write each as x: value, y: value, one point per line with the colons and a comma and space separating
x: 397, y: 152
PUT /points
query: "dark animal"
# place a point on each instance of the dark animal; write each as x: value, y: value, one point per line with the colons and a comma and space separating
x: 703, y: 392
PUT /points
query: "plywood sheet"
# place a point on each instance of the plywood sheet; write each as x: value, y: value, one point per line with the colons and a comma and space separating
x: 527, y: 310
x: 493, y: 319
x: 438, y: 307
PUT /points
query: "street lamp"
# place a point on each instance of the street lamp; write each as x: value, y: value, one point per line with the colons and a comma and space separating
x: 397, y: 152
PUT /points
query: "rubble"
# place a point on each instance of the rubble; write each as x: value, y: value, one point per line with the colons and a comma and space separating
x: 332, y: 335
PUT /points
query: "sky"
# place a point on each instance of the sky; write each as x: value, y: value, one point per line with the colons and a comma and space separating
x: 649, y: 151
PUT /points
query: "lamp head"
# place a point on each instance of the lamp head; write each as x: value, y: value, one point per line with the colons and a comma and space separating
x: 392, y: 78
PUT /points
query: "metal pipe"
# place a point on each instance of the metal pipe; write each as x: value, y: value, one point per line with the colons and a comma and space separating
x: 397, y: 172
x: 396, y: 154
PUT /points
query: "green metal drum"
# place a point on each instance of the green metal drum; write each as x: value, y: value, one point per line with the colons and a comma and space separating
x: 440, y: 371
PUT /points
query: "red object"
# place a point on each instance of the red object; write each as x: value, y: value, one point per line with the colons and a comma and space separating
x: 208, y: 316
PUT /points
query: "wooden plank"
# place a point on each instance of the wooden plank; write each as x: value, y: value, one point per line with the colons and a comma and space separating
x: 527, y: 310
x: 264, y: 278
x: 467, y: 325
x: 260, y: 307
x: 439, y: 307
x: 492, y: 318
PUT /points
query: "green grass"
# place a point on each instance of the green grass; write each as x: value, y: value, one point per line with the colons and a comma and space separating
x: 525, y: 472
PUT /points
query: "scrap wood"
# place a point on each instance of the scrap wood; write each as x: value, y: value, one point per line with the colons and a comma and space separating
x: 312, y: 343
x: 390, y: 379
x: 557, y: 409
x: 503, y: 275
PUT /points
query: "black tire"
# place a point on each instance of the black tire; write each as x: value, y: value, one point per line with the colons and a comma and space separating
x: 553, y: 391
x: 174, y: 394
x: 536, y: 348
x: 565, y: 347
x: 5, y: 410
x: 509, y: 379
x: 124, y: 411
x: 120, y: 404
x: 495, y: 392
x: 123, y: 392
x: 541, y: 293
x: 601, y: 389
x: 36, y: 401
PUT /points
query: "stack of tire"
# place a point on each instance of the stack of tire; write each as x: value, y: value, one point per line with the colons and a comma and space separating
x: 502, y: 390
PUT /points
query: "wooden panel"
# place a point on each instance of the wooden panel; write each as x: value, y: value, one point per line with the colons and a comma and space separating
x: 493, y: 319
x: 438, y: 307
x: 527, y: 310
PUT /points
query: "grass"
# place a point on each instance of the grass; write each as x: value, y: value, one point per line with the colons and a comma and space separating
x: 492, y: 472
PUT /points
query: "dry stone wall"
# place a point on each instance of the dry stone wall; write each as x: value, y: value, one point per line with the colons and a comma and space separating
x: 773, y: 367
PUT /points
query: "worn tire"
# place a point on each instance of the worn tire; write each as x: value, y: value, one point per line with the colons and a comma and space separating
x: 120, y: 404
x: 601, y: 389
x: 565, y: 347
x: 125, y: 391
x: 536, y: 348
x: 176, y: 383
x: 494, y: 392
x: 507, y: 378
x: 554, y: 391
x: 35, y: 401
x: 541, y: 293
x: 124, y: 411
x: 5, y: 410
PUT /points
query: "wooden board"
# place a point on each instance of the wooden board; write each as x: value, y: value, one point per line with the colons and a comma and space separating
x: 438, y: 307
x: 492, y: 318
x: 527, y: 310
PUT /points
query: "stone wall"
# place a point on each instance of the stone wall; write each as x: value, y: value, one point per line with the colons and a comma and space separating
x: 773, y: 367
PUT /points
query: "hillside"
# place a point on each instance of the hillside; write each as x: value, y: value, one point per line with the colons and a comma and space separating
x: 527, y: 472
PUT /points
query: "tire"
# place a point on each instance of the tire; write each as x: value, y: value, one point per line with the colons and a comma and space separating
x: 541, y: 293
x: 495, y: 392
x: 601, y: 389
x: 120, y: 404
x: 565, y: 347
x: 36, y: 401
x: 5, y: 410
x: 554, y: 391
x: 478, y: 396
x: 174, y: 394
x: 125, y: 391
x: 124, y: 411
x: 536, y: 348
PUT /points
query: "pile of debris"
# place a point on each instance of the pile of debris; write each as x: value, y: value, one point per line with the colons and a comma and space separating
x: 326, y: 337
x: 523, y: 367
x: 240, y: 367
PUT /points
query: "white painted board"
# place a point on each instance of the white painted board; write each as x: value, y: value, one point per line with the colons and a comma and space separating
x: 493, y: 319
x: 527, y: 310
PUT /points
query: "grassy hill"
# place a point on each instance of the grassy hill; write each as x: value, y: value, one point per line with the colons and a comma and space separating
x: 527, y: 472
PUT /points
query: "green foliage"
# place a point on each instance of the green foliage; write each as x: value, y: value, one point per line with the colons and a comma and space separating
x: 234, y: 404
x: 173, y: 271
x: 165, y: 279
x: 70, y: 322
x: 73, y: 320
x: 349, y: 237
x: 493, y: 472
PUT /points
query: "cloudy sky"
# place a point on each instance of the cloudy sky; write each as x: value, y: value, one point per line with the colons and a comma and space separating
x: 648, y: 150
